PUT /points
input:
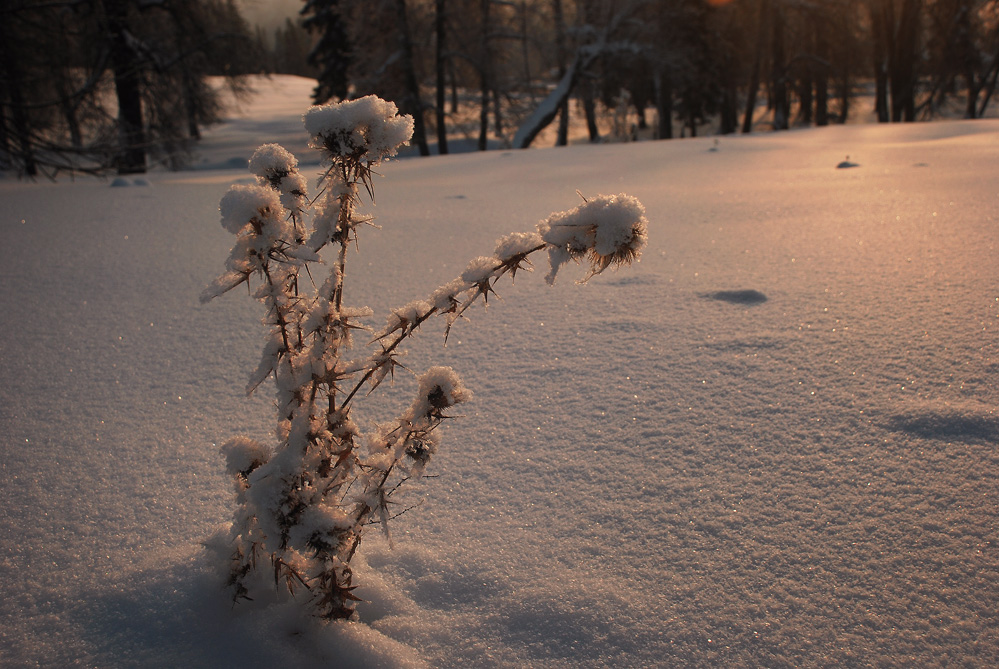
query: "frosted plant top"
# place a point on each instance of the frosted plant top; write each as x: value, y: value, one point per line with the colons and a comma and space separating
x: 270, y: 160
x: 369, y: 129
x: 609, y: 229
x: 243, y: 204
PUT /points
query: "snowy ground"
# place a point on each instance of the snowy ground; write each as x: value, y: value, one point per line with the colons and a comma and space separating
x: 771, y: 443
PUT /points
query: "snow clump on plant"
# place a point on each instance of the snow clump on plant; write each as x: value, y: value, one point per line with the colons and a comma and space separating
x: 276, y: 167
x: 368, y: 129
x: 609, y: 230
x: 252, y: 206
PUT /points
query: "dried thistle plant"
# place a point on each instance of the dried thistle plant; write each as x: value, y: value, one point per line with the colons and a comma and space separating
x: 303, y: 506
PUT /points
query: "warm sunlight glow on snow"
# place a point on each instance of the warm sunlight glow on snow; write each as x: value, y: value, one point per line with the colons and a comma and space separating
x: 772, y: 442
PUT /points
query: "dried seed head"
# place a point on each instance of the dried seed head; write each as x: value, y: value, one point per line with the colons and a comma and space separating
x: 367, y: 130
x: 440, y: 388
x: 249, y: 204
x: 609, y: 230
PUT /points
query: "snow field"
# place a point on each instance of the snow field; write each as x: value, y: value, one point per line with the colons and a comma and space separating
x: 659, y: 468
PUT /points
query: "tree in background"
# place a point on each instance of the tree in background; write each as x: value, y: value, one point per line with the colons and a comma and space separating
x: 412, y: 99
x: 330, y: 55
x: 394, y: 56
x: 292, y: 50
x: 963, y: 53
x: 98, y: 85
x: 558, y: 21
x: 208, y: 38
x: 517, y: 64
x: 440, y: 73
x: 102, y: 84
x: 170, y: 49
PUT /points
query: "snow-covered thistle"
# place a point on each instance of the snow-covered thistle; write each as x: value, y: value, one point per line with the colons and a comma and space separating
x: 303, y: 505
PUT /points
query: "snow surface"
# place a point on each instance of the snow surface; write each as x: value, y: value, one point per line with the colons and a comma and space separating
x: 770, y: 443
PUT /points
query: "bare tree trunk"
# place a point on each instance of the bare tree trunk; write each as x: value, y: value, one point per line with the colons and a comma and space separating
x: 989, y: 86
x: 68, y: 105
x: 974, y: 89
x: 563, y: 110
x: 440, y: 27
x: 821, y: 77
x: 590, y: 109
x: 880, y: 22
x: 902, y: 63
x: 963, y: 42
x: 12, y: 83
x: 188, y: 82
x: 497, y: 113
x: 779, y: 72
x: 412, y: 103
x: 5, y: 163
x: 664, y: 106
x: 806, y: 97
x: 484, y: 67
x: 729, y: 111
x: 754, y: 77
x: 525, y: 51
x: 821, y: 100
x: 128, y: 85
x: 546, y: 112
x: 844, y: 97
x: 191, y: 104
x: 453, y: 80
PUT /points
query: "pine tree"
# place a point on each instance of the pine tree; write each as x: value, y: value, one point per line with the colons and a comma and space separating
x: 331, y: 54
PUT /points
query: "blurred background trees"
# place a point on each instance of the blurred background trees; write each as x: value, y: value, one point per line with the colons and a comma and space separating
x: 662, y: 68
x: 96, y: 85
x: 125, y: 84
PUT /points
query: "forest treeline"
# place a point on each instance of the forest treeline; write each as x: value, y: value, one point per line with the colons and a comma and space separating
x: 99, y: 85
x: 690, y: 61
